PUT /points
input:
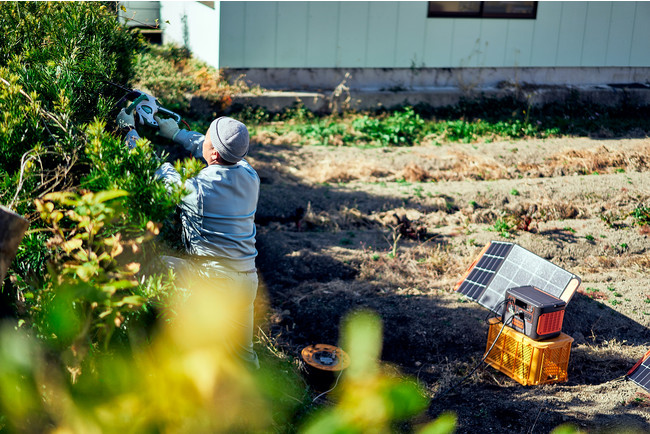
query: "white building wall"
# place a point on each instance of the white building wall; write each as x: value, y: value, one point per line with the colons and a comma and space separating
x: 395, y: 34
x: 194, y: 25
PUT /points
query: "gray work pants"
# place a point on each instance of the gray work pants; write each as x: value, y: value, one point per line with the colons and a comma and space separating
x: 239, y: 290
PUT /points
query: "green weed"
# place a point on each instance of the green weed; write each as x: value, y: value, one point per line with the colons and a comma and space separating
x: 504, y: 226
x: 403, y: 127
x: 641, y: 215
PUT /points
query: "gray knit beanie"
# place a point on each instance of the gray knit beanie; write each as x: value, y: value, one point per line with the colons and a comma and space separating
x: 230, y: 138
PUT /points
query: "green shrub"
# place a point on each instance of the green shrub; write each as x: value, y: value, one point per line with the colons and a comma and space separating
x: 402, y: 128
x: 55, y: 60
x: 174, y: 76
x: 187, y: 381
x: 114, y: 166
x: 326, y: 132
x: 87, y: 292
x: 65, y: 52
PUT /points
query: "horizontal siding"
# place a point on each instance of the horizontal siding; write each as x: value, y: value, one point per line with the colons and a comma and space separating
x: 394, y: 34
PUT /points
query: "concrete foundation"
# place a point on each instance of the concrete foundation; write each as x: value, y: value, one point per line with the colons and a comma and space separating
x: 465, y: 79
x: 331, y: 89
x: 320, y: 102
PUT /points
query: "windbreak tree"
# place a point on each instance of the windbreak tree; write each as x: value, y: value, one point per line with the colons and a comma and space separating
x: 57, y: 62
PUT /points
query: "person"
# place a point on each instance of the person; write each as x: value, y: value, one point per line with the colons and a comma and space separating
x: 217, y: 217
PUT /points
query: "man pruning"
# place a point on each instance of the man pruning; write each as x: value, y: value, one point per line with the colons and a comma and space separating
x: 217, y: 216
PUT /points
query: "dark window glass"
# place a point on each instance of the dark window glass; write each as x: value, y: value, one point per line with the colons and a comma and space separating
x: 457, y: 9
x: 489, y: 9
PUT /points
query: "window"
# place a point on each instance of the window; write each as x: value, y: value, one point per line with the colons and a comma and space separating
x: 487, y: 9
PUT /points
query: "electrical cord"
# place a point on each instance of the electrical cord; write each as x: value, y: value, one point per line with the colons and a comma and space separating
x: 462, y: 380
x: 496, y: 310
x: 332, y: 388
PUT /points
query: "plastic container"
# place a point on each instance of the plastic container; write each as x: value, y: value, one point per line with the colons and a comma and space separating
x: 527, y: 361
x: 323, y: 364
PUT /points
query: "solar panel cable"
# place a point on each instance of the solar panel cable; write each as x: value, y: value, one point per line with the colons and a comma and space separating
x: 462, y: 380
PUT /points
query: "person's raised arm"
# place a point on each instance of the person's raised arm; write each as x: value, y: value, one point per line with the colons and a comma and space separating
x: 190, y: 140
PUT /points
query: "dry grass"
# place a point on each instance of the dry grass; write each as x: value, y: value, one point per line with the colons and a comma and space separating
x: 603, y: 159
x: 265, y: 137
x: 413, y: 172
x: 459, y: 165
x: 332, y: 171
x: 625, y: 264
x: 422, y: 268
x: 547, y: 209
x: 343, y: 218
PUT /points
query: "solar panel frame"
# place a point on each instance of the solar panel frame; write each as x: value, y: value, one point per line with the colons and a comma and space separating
x: 503, y: 265
x: 640, y: 372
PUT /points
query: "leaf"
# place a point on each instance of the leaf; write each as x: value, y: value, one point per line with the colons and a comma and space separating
x: 132, y: 267
x: 86, y: 271
x: 115, y: 286
x: 63, y: 197
x: 566, y: 428
x: 104, y: 196
x: 72, y: 244
x: 362, y: 339
x: 56, y: 216
x: 406, y: 399
x: 131, y: 300
x: 153, y: 227
x: 445, y: 424
x: 105, y: 313
x: 117, y: 249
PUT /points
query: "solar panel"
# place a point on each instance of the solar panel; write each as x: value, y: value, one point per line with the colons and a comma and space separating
x: 501, y: 266
x: 640, y: 373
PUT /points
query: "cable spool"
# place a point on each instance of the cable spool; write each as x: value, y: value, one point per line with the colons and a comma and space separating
x: 323, y: 364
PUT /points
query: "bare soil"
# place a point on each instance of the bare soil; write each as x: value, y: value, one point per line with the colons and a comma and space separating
x: 330, y: 217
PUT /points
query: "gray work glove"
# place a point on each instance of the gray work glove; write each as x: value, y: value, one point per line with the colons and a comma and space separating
x: 168, y: 128
x: 125, y: 120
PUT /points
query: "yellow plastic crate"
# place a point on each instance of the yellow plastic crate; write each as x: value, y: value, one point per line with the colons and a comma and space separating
x: 527, y: 361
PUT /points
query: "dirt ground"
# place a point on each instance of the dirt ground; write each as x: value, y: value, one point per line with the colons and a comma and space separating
x: 394, y: 229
